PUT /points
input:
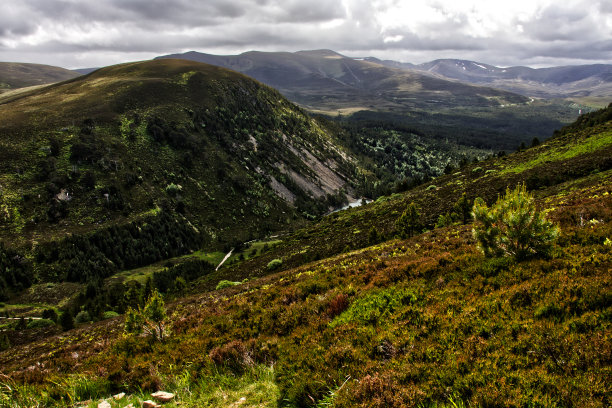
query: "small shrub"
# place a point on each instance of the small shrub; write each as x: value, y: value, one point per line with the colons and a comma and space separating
x: 40, y: 323
x: 445, y: 220
x: 513, y: 226
x: 5, y: 343
x: 233, y: 355
x: 431, y: 187
x: 173, y: 189
x: 82, y: 317
x: 226, y: 284
x: 337, y: 305
x: 463, y: 208
x: 408, y: 222
x: 67, y: 320
x: 373, y: 236
x: 151, y: 320
x: 373, y: 308
x: 274, y: 264
x: 109, y: 314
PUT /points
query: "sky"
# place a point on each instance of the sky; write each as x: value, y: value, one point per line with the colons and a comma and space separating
x: 94, y: 33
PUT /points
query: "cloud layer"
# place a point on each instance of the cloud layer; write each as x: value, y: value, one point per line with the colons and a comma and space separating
x: 78, y: 33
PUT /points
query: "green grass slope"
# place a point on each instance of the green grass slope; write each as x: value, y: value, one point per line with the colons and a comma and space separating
x: 18, y: 75
x: 424, y: 321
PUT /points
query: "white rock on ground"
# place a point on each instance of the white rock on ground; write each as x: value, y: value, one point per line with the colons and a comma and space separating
x: 150, y: 404
x: 163, y: 396
x: 117, y: 397
x: 104, y: 404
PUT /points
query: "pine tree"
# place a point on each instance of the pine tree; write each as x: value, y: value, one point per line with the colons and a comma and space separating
x: 5, y: 343
x: 373, y: 236
x: 408, y: 222
x: 513, y: 226
x: 148, y: 288
x: 150, y: 320
x: 67, y: 320
x: 463, y: 207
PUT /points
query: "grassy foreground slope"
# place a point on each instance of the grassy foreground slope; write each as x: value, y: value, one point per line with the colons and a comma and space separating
x: 425, y: 321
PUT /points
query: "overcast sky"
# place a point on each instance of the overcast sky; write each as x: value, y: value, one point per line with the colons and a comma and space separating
x: 91, y: 33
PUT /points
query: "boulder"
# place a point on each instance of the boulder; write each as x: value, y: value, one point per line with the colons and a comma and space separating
x: 117, y: 397
x: 163, y: 396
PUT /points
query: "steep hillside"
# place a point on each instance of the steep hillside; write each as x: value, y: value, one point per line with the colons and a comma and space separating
x: 140, y: 162
x: 18, y: 75
x: 352, y: 318
x: 581, y: 150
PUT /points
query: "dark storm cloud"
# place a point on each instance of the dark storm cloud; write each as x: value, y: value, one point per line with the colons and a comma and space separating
x: 110, y: 31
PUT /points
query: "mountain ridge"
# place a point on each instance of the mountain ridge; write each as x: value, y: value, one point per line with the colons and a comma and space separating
x: 18, y: 75
x: 296, y: 74
x: 572, y: 81
x: 331, y: 84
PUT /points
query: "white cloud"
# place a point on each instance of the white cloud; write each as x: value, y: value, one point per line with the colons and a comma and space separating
x: 77, y: 33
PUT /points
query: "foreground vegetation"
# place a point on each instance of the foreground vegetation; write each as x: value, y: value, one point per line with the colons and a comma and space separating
x: 407, y: 322
x: 410, y: 315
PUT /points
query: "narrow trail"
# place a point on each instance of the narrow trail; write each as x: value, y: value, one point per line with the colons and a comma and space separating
x: 225, y: 259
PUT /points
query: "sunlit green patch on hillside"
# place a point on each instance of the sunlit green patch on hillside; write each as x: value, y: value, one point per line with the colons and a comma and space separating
x: 567, y: 151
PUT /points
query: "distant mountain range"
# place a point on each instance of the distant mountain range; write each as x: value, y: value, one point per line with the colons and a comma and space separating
x: 577, y: 81
x: 419, y: 98
x: 325, y: 80
x: 472, y: 103
x: 297, y: 73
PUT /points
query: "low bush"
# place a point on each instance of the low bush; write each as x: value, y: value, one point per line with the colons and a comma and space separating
x: 40, y: 323
x: 109, y: 314
x: 226, y: 284
x: 82, y: 317
x: 374, y: 308
x: 274, y: 264
x: 233, y: 355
